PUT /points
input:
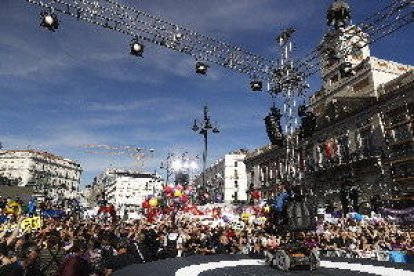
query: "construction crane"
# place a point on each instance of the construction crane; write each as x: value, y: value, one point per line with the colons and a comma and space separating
x: 138, y: 154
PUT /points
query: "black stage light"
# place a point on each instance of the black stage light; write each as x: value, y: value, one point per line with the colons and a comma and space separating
x: 137, y: 49
x: 273, y: 127
x: 49, y: 21
x: 201, y: 68
x: 256, y: 85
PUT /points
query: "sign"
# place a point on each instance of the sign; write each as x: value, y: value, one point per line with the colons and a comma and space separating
x: 31, y: 224
x: 27, y: 225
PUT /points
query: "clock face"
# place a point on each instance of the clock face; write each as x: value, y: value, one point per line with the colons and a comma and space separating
x: 356, y: 52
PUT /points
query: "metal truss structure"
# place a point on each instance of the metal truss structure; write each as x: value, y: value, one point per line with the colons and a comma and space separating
x: 150, y: 29
x: 137, y: 153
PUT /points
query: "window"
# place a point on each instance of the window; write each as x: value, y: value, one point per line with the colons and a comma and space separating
x: 236, y: 184
x: 235, y: 163
x: 361, y: 85
x: 334, y: 79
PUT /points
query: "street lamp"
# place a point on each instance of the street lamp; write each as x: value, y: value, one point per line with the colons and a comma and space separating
x: 166, y: 164
x: 203, y: 128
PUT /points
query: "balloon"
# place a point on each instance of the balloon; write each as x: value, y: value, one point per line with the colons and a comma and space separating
x: 179, y: 187
x: 168, y: 189
x: 184, y: 198
x: 178, y: 193
x: 189, y: 188
x: 150, y: 196
x: 255, y: 195
x: 153, y: 202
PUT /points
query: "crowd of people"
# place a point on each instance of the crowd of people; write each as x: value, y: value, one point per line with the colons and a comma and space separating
x: 69, y: 246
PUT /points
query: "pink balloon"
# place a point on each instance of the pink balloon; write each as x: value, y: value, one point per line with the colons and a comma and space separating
x: 184, y: 198
x: 179, y: 187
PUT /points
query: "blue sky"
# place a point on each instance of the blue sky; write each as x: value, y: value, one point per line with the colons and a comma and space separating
x: 79, y: 85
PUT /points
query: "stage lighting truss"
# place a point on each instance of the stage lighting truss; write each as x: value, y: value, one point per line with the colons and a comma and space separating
x: 150, y: 29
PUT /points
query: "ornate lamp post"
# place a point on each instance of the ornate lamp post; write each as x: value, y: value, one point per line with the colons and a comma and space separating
x: 166, y: 164
x: 203, y: 128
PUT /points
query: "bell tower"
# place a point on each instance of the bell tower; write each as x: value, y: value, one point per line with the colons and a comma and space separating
x: 343, y: 47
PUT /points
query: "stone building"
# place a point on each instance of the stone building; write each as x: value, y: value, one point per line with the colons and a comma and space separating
x: 50, y: 175
x: 226, y: 179
x: 125, y: 189
x: 364, y: 135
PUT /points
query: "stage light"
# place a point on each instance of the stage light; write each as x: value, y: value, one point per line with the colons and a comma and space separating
x: 216, y: 130
x: 137, y: 49
x: 273, y: 127
x: 256, y: 85
x: 178, y: 36
x: 201, y: 68
x: 49, y: 21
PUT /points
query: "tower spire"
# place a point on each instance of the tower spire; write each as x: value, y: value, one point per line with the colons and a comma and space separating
x: 338, y: 15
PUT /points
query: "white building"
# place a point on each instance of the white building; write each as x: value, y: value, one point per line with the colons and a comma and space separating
x: 55, y: 176
x: 125, y: 189
x: 226, y: 179
x: 371, y: 73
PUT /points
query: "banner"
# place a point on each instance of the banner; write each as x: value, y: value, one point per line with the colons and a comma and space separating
x: 405, y: 216
x: 27, y: 225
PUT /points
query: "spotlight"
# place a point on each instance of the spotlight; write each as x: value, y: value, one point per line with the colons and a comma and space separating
x: 49, y: 20
x: 273, y: 127
x: 256, y: 85
x: 178, y: 36
x: 201, y: 68
x: 137, y: 49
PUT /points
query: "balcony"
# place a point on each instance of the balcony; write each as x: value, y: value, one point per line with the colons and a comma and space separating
x: 362, y: 155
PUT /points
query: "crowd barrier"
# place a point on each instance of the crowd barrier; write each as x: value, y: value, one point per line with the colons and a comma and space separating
x: 385, y: 256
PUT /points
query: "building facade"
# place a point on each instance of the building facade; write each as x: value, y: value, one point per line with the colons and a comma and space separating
x: 226, y: 179
x: 50, y: 175
x: 125, y: 189
x: 364, y: 135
